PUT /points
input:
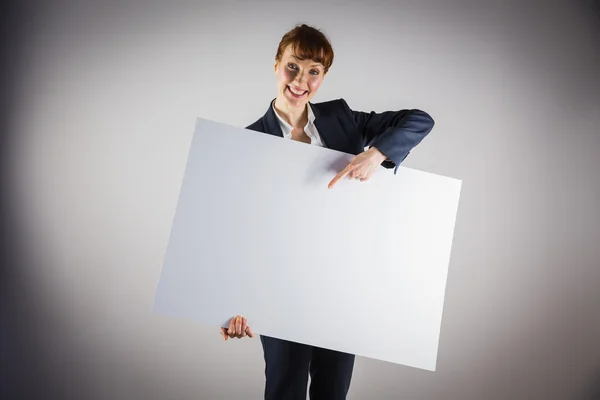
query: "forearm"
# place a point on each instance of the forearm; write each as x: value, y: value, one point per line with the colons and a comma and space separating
x: 397, y: 140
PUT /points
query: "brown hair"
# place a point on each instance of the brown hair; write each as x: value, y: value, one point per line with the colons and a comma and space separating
x: 308, y: 43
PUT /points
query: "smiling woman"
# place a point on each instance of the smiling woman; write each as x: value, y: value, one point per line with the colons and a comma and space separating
x: 301, y: 49
x: 303, y: 59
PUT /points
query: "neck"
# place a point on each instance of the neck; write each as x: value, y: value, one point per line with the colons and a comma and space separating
x: 297, y: 117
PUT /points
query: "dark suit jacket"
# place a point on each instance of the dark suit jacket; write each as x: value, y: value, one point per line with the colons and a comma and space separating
x: 394, y: 133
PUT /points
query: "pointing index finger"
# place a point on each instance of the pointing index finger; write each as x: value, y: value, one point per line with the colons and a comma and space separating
x: 340, y: 175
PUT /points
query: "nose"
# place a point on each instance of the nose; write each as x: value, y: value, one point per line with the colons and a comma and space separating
x: 299, y: 77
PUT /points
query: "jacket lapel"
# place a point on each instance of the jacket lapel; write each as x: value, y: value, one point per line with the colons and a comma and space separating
x: 271, y: 122
x: 332, y: 134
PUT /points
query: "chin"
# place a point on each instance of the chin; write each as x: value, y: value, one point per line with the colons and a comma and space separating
x: 297, y: 102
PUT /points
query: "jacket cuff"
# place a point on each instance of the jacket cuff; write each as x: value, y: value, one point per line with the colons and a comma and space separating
x: 393, y: 151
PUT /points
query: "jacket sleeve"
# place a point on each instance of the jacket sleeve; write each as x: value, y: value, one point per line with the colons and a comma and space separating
x: 394, y: 133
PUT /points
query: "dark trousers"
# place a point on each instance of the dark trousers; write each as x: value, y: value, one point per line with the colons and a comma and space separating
x: 288, y: 364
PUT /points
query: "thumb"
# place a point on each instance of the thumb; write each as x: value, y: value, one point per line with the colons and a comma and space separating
x: 249, y: 332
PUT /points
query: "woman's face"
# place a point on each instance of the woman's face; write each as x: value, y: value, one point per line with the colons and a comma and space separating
x: 297, y: 80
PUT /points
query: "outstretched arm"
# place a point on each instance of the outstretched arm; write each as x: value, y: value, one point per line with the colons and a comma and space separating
x: 394, y: 133
x: 390, y: 136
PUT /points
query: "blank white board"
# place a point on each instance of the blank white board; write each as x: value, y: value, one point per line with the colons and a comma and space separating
x: 360, y: 268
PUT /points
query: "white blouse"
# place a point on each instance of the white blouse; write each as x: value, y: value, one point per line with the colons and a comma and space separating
x: 310, y: 129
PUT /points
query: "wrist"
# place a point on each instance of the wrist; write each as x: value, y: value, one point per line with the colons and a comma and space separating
x: 378, y: 154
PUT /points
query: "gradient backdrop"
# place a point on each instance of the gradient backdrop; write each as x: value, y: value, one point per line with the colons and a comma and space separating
x: 99, y: 105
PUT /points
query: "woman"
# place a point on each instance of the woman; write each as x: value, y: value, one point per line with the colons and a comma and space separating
x: 303, y: 58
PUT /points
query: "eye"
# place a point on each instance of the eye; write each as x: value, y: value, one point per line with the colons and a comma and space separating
x: 314, y: 72
x: 292, y: 66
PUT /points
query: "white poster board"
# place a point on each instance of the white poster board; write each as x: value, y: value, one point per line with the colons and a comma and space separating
x: 360, y: 268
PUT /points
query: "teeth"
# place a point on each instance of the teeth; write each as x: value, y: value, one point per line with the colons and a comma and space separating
x: 298, y: 93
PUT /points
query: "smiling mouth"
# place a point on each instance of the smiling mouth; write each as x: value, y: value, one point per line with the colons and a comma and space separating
x: 295, y: 93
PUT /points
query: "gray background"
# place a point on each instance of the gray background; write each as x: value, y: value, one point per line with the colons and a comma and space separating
x: 99, y: 106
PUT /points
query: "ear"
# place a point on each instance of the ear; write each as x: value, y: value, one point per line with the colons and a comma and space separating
x: 276, y: 65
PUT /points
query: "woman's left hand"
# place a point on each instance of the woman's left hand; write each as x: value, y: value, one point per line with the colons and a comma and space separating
x: 362, y: 166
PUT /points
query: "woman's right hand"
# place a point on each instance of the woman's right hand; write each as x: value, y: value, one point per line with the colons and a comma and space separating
x: 238, y: 328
